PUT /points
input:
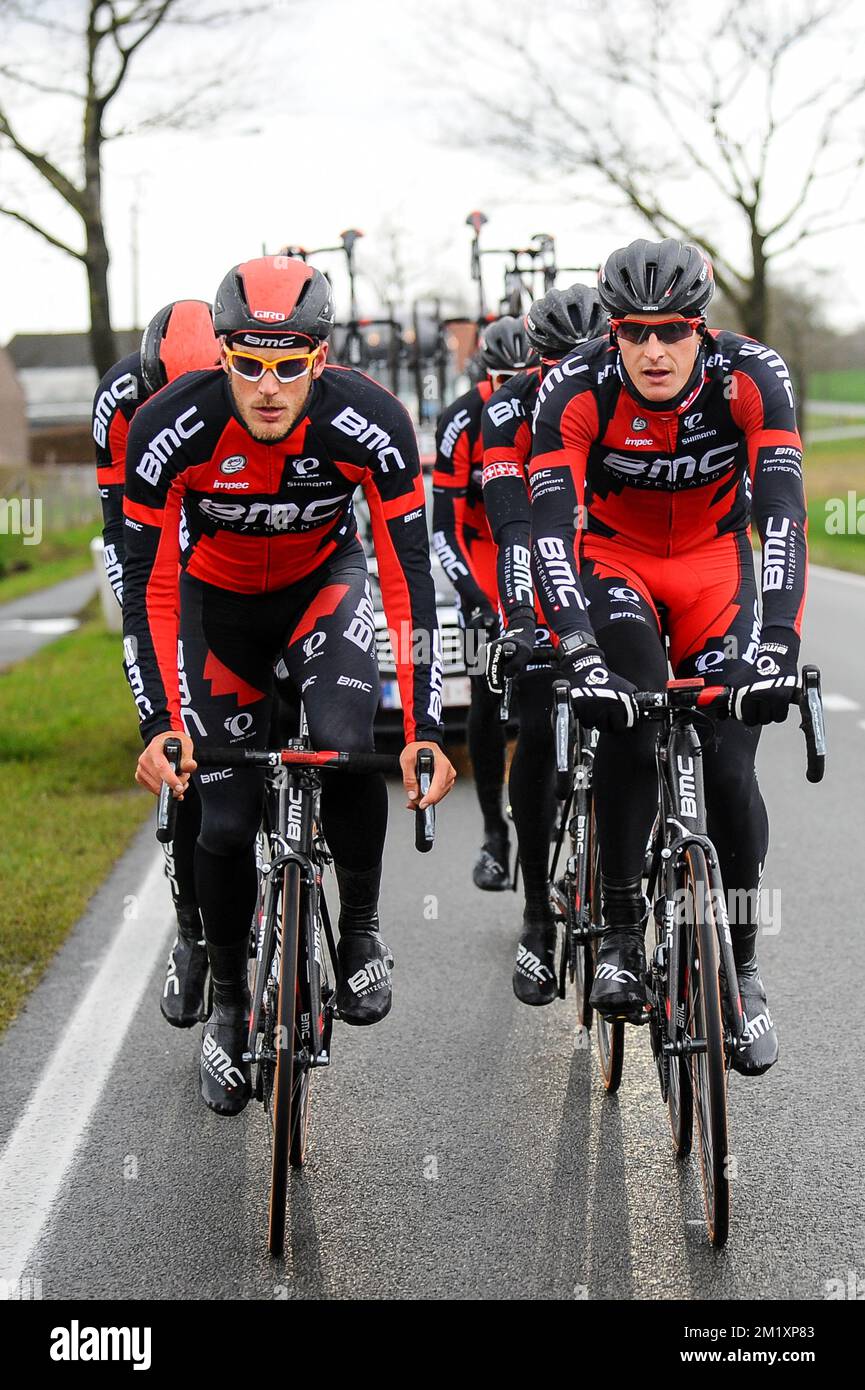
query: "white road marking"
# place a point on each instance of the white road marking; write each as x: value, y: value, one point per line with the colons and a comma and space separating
x: 840, y: 576
x: 839, y: 703
x: 43, y: 1143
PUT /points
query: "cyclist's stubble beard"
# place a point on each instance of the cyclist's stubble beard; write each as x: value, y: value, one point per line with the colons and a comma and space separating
x: 291, y: 398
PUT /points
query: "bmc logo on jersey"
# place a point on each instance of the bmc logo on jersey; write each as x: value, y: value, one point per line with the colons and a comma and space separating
x: 235, y: 464
x: 460, y: 422
x: 125, y: 388
x: 666, y: 472
x: 164, y: 444
x: 370, y: 435
x: 502, y: 411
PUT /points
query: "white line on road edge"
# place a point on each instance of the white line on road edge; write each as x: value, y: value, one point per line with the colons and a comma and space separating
x: 43, y: 1143
x: 840, y: 576
x: 838, y: 703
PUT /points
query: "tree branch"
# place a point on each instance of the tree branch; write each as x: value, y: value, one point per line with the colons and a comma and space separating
x: 58, y: 180
x: 34, y: 227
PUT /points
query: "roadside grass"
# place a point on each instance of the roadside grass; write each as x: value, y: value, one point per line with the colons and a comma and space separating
x: 832, y: 471
x: 68, y: 806
x: 846, y: 385
x: 59, y: 555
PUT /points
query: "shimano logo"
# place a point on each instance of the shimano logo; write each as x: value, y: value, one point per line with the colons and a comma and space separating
x: 461, y: 421
x: 164, y: 444
x: 125, y: 388
x: 370, y: 435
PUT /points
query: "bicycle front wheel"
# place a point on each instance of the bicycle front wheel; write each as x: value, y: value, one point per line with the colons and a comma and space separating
x: 704, y: 1025
x: 611, y: 1035
x: 283, y: 1089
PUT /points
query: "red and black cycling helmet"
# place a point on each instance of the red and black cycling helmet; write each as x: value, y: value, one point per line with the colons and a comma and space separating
x: 180, y: 338
x: 656, y: 277
x: 503, y: 346
x: 274, y: 295
x: 563, y: 318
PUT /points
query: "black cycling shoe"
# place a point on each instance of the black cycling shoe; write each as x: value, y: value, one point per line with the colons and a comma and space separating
x: 364, y: 994
x: 534, y: 976
x: 182, y: 1003
x: 619, y: 990
x: 490, y: 872
x: 761, y: 1046
x: 224, y: 1077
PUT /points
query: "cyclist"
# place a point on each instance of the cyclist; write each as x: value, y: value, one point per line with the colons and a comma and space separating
x: 253, y: 468
x: 465, y: 547
x: 653, y: 452
x: 555, y: 324
x: 178, y: 339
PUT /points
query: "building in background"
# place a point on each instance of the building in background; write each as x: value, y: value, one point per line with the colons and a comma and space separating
x: 13, y: 415
x: 58, y: 380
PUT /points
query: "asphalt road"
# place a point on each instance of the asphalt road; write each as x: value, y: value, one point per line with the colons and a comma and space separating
x: 464, y: 1148
x: 28, y: 623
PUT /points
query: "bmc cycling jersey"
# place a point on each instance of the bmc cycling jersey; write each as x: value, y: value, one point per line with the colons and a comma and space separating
x: 613, y: 472
x: 119, y: 394
x: 254, y: 517
x: 507, y: 438
x: 461, y: 532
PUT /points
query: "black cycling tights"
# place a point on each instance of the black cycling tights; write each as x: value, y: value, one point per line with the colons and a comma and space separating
x: 626, y: 795
x: 486, y: 740
x: 530, y: 786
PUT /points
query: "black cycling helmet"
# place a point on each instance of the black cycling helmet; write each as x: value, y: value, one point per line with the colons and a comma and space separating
x: 503, y: 346
x: 274, y: 295
x: 563, y: 318
x: 178, y: 339
x: 656, y: 277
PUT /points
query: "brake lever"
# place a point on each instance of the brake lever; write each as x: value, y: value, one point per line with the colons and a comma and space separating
x: 166, y: 810
x: 425, y: 819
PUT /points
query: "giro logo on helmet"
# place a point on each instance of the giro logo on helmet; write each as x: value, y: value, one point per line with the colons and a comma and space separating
x: 267, y: 315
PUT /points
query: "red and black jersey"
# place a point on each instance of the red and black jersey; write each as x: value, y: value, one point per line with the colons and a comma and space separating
x: 255, y: 517
x: 608, y: 464
x: 461, y: 532
x: 507, y: 440
x: 119, y: 394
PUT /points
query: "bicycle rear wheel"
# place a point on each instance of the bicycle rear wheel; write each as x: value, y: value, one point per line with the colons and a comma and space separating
x: 611, y: 1035
x: 282, y: 1091
x: 704, y: 1021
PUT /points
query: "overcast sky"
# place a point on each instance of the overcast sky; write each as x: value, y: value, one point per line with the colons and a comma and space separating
x: 341, y: 123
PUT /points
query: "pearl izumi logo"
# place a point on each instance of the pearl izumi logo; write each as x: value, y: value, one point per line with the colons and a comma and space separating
x: 234, y: 464
x: 77, y: 1343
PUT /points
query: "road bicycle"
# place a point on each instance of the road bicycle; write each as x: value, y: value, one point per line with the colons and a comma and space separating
x: 293, y: 961
x: 694, y: 1010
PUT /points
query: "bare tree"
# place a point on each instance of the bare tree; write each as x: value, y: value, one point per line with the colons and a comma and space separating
x: 695, y: 120
x: 85, y: 57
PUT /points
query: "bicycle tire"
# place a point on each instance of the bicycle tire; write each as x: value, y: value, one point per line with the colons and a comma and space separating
x: 282, y: 1094
x: 705, y: 1020
x: 302, y: 1073
x: 680, y: 1095
x: 611, y: 1035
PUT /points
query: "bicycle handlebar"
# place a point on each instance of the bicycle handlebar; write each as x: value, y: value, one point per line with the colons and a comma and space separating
x: 166, y: 811
x: 715, y: 699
